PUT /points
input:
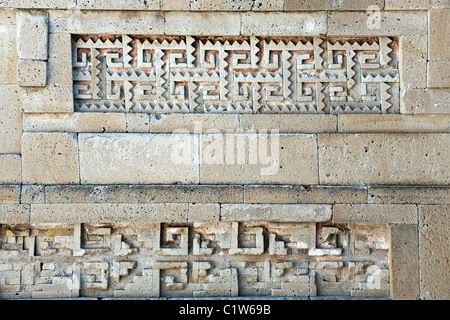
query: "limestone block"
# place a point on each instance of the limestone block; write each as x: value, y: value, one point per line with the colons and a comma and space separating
x: 59, y: 63
x: 32, y: 194
x: 438, y: 72
x: 138, y: 158
x: 270, y: 194
x: 404, y: 262
x: 258, y: 158
x: 193, y: 123
x: 173, y: 5
x: 143, y: 194
x: 118, y: 4
x: 434, y: 223
x: 108, y: 213
x: 14, y: 213
x: 137, y: 122
x: 363, y: 159
x: 9, y: 194
x: 414, y: 61
x: 8, y: 52
x: 10, y: 120
x: 74, y: 122
x: 331, y: 195
x: 406, y: 194
x: 236, y: 5
x: 275, y: 212
x: 289, y: 123
x: 407, y: 4
x: 347, y: 5
x: 204, y: 212
x: 439, y: 43
x: 393, y: 123
x: 199, y: 23
x: 106, y: 22
x: 49, y: 158
x: 387, y: 23
x: 32, y: 35
x: 375, y: 213
x: 426, y: 101
x: 39, y: 4
x: 10, y: 168
x: 48, y: 99
x: 284, y: 24
x: 7, y: 16
x: 31, y: 73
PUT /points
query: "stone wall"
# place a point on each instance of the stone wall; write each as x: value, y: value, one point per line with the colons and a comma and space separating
x: 224, y: 148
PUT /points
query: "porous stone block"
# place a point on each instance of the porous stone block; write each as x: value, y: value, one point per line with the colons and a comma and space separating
x: 14, y: 213
x: 426, y: 101
x: 108, y: 213
x: 439, y: 42
x: 270, y: 194
x: 414, y: 61
x: 50, y: 158
x: 288, y: 123
x: 48, y: 99
x: 39, y: 4
x: 10, y: 120
x: 407, y: 194
x: 364, y: 159
x: 137, y: 122
x: 173, y: 5
x: 204, y: 212
x: 375, y: 213
x: 438, y: 72
x: 118, y: 4
x: 258, y: 158
x: 284, y: 23
x: 393, y: 123
x: 275, y: 212
x: 74, y: 122
x: 434, y: 252
x: 202, y: 23
x: 59, y: 63
x: 32, y: 35
x: 138, y: 158
x: 331, y: 195
x: 10, y: 168
x: 32, y: 73
x: 9, y: 194
x: 194, y: 123
x: 221, y: 5
x: 143, y: 194
x: 32, y: 194
x: 404, y: 262
x: 8, y: 51
x: 106, y: 22
x: 407, y: 4
x: 347, y: 5
x: 376, y: 23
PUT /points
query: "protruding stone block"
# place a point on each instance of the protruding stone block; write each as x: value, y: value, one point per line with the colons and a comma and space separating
x: 32, y: 73
x: 10, y: 168
x: 32, y: 35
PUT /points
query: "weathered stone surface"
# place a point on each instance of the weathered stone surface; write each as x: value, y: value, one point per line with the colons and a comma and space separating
x: 439, y: 43
x: 258, y: 158
x: 289, y: 123
x: 74, y: 122
x: 194, y: 123
x: 346, y: 5
x: 389, y: 23
x: 10, y: 168
x: 10, y: 120
x: 426, y: 101
x: 384, y: 159
x: 270, y: 194
x: 331, y: 195
x: 236, y: 5
x: 39, y: 4
x: 200, y: 212
x: 138, y: 158
x: 49, y: 158
x: 8, y: 50
x: 375, y: 213
x: 414, y: 61
x: 14, y: 213
x: 224, y: 24
x: 144, y: 194
x: 406, y: 194
x: 9, y: 194
x: 32, y: 73
x: 438, y: 74
x: 393, y: 123
x: 138, y: 123
x: 108, y: 213
x: 407, y: 4
x: 434, y: 223
x: 275, y: 212
x: 174, y: 5
x: 118, y: 4
x: 48, y: 99
x: 404, y: 262
x: 59, y: 60
x: 284, y: 24
x: 32, y: 194
x: 32, y: 35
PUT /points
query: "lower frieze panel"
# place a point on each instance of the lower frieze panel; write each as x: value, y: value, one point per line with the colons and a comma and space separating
x: 219, y: 259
